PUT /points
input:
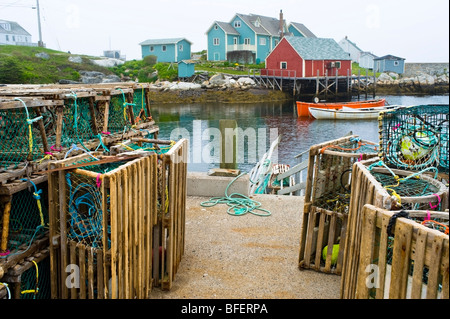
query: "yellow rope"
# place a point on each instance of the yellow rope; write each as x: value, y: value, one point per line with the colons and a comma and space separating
x: 33, y: 291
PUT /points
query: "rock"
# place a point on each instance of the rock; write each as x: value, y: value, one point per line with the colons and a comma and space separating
x: 108, y: 62
x: 393, y: 75
x: 111, y: 79
x: 384, y: 77
x: 42, y: 55
x: 63, y: 81
x: 246, y: 81
x: 75, y: 59
x: 218, y: 79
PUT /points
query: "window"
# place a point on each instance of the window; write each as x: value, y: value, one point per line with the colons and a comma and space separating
x: 164, y: 48
x: 283, y: 65
x: 14, y: 39
x: 216, y: 27
x: 257, y: 24
x: 152, y: 49
x: 262, y: 41
x: 247, y: 41
x: 235, y: 41
x: 180, y: 47
x: 216, y: 41
x: 338, y: 64
x: 237, y: 24
x: 7, y: 37
x: 396, y: 63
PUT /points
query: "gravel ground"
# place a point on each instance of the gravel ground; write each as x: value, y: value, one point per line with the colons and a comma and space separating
x: 246, y: 257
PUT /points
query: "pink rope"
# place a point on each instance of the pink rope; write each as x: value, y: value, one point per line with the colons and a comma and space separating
x: 99, y: 181
x: 53, y: 148
x: 439, y: 202
x: 6, y: 253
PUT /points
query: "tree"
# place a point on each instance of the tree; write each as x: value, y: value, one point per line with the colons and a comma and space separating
x: 10, y: 71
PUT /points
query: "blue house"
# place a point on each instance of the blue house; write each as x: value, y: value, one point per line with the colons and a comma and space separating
x: 251, y: 33
x: 167, y: 50
x: 389, y: 63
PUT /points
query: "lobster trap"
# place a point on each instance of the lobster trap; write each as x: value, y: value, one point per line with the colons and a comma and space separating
x: 407, y: 253
x: 415, y: 138
x: 23, y: 219
x: 327, y: 197
x: 30, y: 278
x: 102, y: 218
x: 169, y: 230
x: 389, y: 189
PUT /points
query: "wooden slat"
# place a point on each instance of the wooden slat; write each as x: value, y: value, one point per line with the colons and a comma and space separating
x: 419, y: 262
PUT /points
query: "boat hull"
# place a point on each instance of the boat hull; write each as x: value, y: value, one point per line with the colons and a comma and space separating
x: 303, y: 107
x: 347, y: 113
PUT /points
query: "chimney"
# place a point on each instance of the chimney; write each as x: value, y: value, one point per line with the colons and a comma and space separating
x: 281, y: 25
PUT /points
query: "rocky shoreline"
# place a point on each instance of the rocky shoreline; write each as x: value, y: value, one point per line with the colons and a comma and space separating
x: 419, y: 84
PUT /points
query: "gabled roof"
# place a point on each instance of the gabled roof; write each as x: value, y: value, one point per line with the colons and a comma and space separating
x: 225, y: 26
x: 268, y: 26
x: 303, y: 30
x: 389, y: 57
x: 163, y: 41
x: 369, y: 53
x: 352, y: 43
x: 317, y: 48
x: 16, y: 29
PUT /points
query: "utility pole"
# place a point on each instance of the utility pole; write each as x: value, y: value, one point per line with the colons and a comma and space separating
x: 40, y: 43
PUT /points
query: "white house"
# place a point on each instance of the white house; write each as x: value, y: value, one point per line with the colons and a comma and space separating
x: 366, y: 60
x: 13, y: 34
x: 351, y: 48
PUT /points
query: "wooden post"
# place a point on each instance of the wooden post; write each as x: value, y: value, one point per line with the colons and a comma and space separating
x: 337, y: 84
x: 5, y: 230
x: 359, y: 83
x: 228, y: 145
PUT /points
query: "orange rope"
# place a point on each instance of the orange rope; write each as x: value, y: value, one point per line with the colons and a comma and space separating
x: 435, y: 222
x: 360, y: 144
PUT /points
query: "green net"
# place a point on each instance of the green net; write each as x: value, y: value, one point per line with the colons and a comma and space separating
x: 16, y: 143
x: 28, y: 218
x: 140, y: 106
x: 119, y: 119
x: 415, y: 138
x: 77, y: 123
x: 35, y: 282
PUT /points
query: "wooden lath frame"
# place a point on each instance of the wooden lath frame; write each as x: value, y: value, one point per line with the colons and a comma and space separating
x: 413, y: 243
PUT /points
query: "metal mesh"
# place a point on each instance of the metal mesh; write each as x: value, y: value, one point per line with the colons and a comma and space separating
x: 415, y: 138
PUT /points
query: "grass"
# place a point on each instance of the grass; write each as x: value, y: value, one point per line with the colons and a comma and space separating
x: 19, y: 65
x: 363, y: 71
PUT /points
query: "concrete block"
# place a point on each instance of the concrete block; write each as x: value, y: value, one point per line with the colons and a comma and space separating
x: 200, y: 184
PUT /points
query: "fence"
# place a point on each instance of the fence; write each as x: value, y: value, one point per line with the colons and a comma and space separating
x: 376, y: 185
x: 410, y: 258
x: 327, y: 196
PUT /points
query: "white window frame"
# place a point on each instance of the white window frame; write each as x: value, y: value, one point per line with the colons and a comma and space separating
x: 237, y: 23
x: 164, y: 48
x: 180, y: 48
x: 216, y: 41
x: 285, y: 65
x: 247, y: 41
x: 396, y: 63
x: 152, y: 49
x: 262, y: 41
x: 235, y: 41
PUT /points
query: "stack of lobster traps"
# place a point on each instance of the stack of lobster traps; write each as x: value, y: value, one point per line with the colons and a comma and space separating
x: 76, y: 213
x: 397, y: 235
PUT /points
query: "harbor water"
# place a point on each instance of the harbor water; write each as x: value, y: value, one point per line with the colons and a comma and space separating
x: 199, y: 122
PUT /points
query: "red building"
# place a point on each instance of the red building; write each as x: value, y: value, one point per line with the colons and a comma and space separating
x: 307, y: 57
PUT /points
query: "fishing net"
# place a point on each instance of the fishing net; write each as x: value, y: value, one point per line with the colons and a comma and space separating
x: 415, y: 138
x: 35, y: 282
x: 140, y: 106
x: 28, y: 218
x: 119, y: 117
x: 20, y: 141
x: 77, y: 123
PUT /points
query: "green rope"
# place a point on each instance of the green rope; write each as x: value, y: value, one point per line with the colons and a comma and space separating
x: 238, y: 204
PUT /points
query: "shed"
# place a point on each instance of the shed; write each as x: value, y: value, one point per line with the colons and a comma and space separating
x: 308, y: 57
x: 167, y: 50
x: 186, y: 68
x: 390, y: 63
x: 366, y: 60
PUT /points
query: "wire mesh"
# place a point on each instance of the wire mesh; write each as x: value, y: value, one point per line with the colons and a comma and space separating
x: 415, y: 138
x: 28, y: 220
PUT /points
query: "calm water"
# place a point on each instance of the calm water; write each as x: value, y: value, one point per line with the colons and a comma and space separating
x: 298, y: 135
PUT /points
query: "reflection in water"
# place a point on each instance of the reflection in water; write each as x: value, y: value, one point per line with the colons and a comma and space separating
x: 298, y: 135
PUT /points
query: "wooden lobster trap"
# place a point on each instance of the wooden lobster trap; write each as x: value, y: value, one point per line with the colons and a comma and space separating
x: 23, y: 220
x: 101, y: 221
x: 30, y: 278
x: 27, y: 131
x: 169, y: 230
x: 388, y: 189
x: 327, y: 196
x: 403, y: 255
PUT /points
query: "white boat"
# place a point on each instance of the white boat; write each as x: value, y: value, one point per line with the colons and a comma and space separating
x: 347, y: 113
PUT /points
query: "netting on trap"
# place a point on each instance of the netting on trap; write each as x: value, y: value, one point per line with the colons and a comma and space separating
x: 410, y: 258
x: 327, y: 199
x: 20, y: 141
x: 28, y: 219
x: 416, y: 137
x: 140, y: 107
x: 35, y: 282
x: 119, y: 119
x: 77, y: 123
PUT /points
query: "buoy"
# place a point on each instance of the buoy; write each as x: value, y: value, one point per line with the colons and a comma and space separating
x: 334, y: 254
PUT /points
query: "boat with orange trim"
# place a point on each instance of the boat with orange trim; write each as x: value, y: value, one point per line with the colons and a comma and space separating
x: 303, y: 107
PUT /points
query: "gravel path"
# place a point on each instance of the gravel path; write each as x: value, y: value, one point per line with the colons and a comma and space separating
x: 246, y: 257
